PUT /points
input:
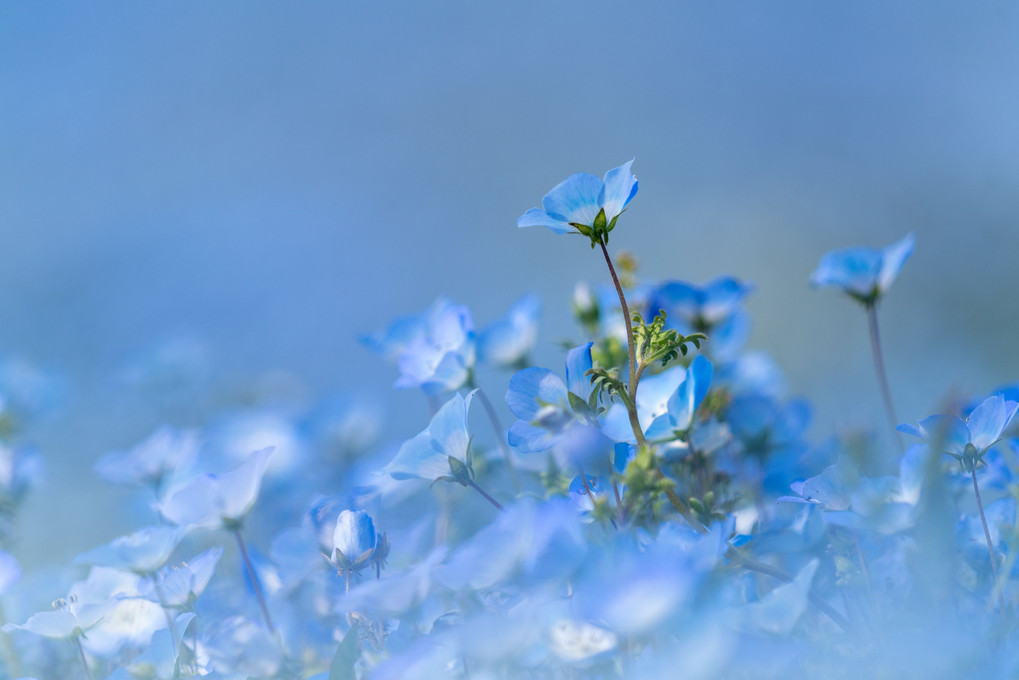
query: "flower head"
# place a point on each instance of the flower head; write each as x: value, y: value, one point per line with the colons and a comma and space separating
x: 863, y: 273
x: 584, y: 204
x: 356, y: 545
x: 967, y: 440
x: 443, y: 448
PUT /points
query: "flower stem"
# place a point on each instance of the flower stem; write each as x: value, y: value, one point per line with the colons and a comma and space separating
x: 882, y: 375
x: 500, y: 435
x: 81, y: 655
x: 474, y: 485
x: 983, y: 520
x: 254, y: 581
x: 630, y: 351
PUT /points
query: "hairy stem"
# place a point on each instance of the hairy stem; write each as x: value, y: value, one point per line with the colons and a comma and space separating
x: 254, y: 581
x: 882, y: 375
x: 500, y: 435
x: 630, y: 350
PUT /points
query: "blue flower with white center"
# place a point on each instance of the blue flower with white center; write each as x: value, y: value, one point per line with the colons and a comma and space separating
x: 442, y: 358
x: 441, y: 449
x: 508, y: 341
x: 864, y: 274
x: 584, y: 204
x: 546, y: 406
x: 967, y: 440
x: 211, y: 500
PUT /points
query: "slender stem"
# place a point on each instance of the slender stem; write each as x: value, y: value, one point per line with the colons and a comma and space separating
x: 254, y: 581
x: 500, y: 435
x: 474, y: 485
x: 882, y: 375
x: 630, y: 351
x: 983, y: 520
x: 81, y: 655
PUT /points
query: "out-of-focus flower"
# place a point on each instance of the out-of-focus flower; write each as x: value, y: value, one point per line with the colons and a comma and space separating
x: 164, y: 452
x: 179, y: 586
x: 584, y: 204
x: 142, y: 552
x: 238, y: 647
x: 211, y: 500
x: 508, y: 341
x: 863, y: 273
x: 716, y: 308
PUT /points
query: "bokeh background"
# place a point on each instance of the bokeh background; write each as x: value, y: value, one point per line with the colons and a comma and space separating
x: 238, y: 189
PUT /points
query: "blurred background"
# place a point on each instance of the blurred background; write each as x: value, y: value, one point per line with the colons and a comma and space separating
x: 236, y: 190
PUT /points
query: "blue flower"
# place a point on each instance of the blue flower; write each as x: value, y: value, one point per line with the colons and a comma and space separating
x: 863, y: 273
x: 545, y: 405
x: 584, y: 204
x: 716, y: 308
x: 431, y: 454
x: 508, y: 341
x: 355, y: 543
x: 967, y: 440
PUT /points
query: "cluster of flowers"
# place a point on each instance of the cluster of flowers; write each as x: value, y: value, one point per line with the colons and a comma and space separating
x: 654, y: 511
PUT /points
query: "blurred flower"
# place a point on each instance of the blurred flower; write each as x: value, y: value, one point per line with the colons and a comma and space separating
x: 508, y: 341
x: 142, y: 552
x: 584, y: 204
x: 210, y: 500
x: 863, y: 273
x: 716, y: 308
x: 180, y: 585
x: 164, y: 452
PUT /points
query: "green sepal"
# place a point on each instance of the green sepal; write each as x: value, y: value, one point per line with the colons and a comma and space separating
x: 578, y: 405
x: 612, y: 224
x: 600, y: 222
x: 461, y: 473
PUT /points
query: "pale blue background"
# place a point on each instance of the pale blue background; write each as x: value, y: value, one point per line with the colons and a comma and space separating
x: 273, y: 178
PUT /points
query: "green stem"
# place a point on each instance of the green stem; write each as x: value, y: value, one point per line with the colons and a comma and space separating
x: 500, y: 435
x: 254, y: 581
x: 882, y: 375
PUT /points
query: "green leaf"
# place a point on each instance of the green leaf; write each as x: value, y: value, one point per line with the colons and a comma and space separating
x: 342, y: 667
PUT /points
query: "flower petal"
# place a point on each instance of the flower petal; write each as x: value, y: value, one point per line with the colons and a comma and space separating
x: 620, y: 187
x: 575, y: 199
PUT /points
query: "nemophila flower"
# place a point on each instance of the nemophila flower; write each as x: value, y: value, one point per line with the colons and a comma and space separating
x: 211, y: 500
x: 508, y: 341
x: 666, y: 403
x: 863, y: 273
x: 160, y: 660
x: 180, y: 585
x: 68, y: 620
x: 969, y: 531
x: 584, y: 204
x: 239, y: 647
x: 442, y: 450
x: 434, y: 351
x: 967, y: 440
x: 164, y: 452
x: 546, y: 406
x: 142, y: 552
x: 356, y: 545
x: 778, y: 611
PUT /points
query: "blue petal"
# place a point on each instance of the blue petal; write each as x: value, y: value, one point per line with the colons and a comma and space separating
x: 615, y: 424
x: 949, y: 431
x: 854, y: 270
x: 530, y: 439
x: 417, y: 458
x: 448, y: 428
x: 575, y: 199
x: 620, y: 187
x: 988, y: 421
x: 535, y: 217
x: 722, y: 297
x: 532, y: 387
x: 892, y: 259
x: 578, y: 363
